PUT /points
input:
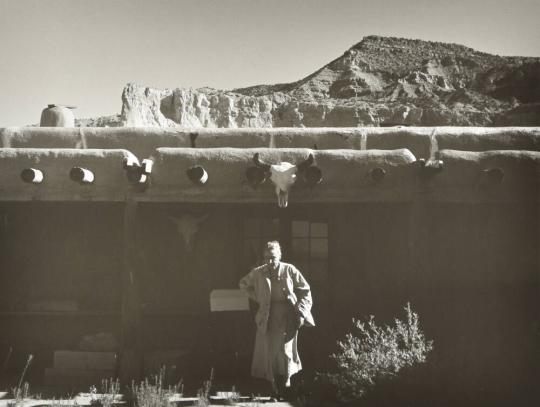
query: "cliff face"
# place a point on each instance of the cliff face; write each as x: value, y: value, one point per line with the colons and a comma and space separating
x: 378, y: 82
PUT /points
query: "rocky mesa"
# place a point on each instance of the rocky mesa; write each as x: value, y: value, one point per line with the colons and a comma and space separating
x: 380, y: 81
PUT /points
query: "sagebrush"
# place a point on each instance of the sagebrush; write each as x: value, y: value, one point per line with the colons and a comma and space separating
x: 373, y: 352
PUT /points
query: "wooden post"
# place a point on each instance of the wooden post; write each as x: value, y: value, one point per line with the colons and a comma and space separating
x: 131, y: 348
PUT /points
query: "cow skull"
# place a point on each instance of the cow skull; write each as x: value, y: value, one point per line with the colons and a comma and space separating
x: 283, y: 175
x: 187, y: 226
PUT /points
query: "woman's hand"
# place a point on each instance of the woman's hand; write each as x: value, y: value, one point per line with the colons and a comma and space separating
x: 299, y: 320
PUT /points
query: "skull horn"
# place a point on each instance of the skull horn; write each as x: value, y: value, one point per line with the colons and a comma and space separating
x: 256, y: 176
x: 259, y: 163
x: 306, y: 163
x: 313, y: 176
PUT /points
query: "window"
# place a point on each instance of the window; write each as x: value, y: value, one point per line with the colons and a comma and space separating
x: 304, y: 243
x: 258, y: 231
x: 309, y: 249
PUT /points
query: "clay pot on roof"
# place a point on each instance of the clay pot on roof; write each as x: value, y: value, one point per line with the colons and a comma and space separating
x: 57, y: 116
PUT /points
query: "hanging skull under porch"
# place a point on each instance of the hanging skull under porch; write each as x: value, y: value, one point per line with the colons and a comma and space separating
x: 187, y: 226
x: 283, y: 175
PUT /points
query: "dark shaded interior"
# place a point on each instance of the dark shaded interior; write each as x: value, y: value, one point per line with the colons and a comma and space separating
x: 469, y: 270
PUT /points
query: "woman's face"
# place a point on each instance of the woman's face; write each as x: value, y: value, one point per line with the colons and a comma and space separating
x: 272, y: 256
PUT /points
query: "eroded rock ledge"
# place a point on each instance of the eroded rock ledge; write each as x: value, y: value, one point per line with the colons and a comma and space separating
x: 378, y: 82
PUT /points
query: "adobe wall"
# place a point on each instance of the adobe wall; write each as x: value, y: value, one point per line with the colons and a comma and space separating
x: 421, y: 141
x: 344, y: 156
x: 461, y: 246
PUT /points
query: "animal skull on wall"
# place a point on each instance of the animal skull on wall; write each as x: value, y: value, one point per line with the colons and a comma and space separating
x: 187, y: 226
x: 283, y: 176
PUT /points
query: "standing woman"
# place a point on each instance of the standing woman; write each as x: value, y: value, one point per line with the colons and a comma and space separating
x: 284, y: 300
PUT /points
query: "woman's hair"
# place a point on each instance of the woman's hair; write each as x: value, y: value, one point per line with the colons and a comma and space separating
x: 274, y: 245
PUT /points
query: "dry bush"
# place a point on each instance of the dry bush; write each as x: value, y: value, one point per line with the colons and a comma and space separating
x: 373, y: 353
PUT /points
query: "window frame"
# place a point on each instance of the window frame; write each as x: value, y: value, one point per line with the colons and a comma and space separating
x: 285, y: 218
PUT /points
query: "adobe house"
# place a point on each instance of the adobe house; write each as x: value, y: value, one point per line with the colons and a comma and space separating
x: 127, y: 231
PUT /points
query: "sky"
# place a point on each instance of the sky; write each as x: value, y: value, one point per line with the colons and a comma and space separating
x: 83, y: 52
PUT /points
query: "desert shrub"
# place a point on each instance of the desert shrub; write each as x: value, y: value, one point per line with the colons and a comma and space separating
x: 154, y: 393
x: 373, y: 353
x: 203, y: 394
x: 109, y: 396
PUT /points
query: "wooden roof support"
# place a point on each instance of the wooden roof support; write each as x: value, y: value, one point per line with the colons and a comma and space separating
x: 344, y: 173
x: 224, y: 175
x: 489, y: 176
x: 99, y: 174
